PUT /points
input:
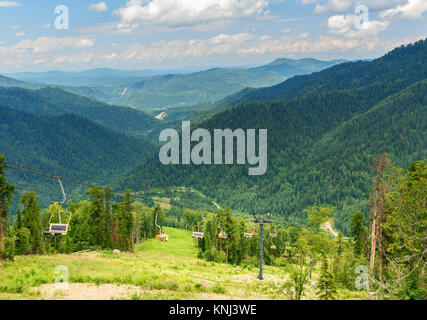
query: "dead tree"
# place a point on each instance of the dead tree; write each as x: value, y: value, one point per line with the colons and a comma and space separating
x: 381, y: 163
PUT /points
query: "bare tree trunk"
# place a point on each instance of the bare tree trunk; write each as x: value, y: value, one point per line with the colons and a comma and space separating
x: 226, y: 261
x: 373, y: 243
x: 2, y: 232
x: 376, y: 236
x: 133, y: 248
x: 1, y: 240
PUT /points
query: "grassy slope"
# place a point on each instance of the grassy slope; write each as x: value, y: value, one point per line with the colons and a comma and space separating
x: 158, y: 271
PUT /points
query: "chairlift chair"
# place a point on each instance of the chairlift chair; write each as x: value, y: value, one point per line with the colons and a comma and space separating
x: 222, y: 234
x: 253, y: 233
x: 246, y: 234
x: 59, y: 229
x: 272, y: 236
x: 161, y: 236
x: 197, y: 234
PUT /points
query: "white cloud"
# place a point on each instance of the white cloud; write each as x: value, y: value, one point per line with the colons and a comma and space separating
x: 20, y: 34
x: 174, y: 13
x: 324, y: 6
x: 80, y: 58
x: 47, y: 44
x: 413, y: 9
x: 393, y: 9
x: 110, y: 57
x: 345, y: 25
x: 10, y: 4
x: 182, y: 50
x: 80, y: 52
x: 45, y: 26
x: 287, y: 30
x: 39, y: 61
x: 99, y: 7
x: 84, y: 43
x: 236, y: 38
x: 334, y: 6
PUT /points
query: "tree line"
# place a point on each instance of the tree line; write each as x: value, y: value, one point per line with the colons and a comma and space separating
x: 98, y: 223
x: 385, y: 253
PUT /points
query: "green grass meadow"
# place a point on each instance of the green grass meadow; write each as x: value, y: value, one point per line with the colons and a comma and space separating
x: 158, y: 270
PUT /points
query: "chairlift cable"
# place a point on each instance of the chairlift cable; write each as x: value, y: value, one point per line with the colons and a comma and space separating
x: 84, y: 184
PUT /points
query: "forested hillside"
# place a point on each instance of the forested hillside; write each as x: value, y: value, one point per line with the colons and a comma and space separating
x: 173, y: 90
x: 289, y: 67
x: 84, y: 78
x: 66, y: 145
x: 321, y: 143
x: 47, y: 142
x: 10, y: 82
x: 55, y: 101
x: 402, y: 66
x: 146, y: 89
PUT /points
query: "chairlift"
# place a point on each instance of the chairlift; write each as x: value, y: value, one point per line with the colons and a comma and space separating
x: 161, y: 236
x: 197, y: 234
x: 222, y: 234
x: 253, y: 233
x: 272, y: 236
x: 246, y: 234
x: 59, y: 228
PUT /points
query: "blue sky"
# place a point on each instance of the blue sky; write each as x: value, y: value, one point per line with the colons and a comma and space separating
x: 161, y: 34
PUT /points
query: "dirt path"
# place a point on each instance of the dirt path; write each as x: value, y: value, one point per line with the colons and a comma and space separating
x: 83, y: 291
x: 327, y: 226
x: 161, y: 116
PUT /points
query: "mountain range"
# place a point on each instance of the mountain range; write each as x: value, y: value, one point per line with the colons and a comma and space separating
x: 324, y: 131
x: 326, y: 123
x: 147, y: 89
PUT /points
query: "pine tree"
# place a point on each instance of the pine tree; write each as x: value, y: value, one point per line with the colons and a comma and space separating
x: 31, y: 211
x: 108, y: 220
x: 358, y: 232
x: 10, y: 241
x: 97, y: 214
x: 326, y: 284
x: 23, y: 236
x: 6, y: 195
x: 127, y: 221
x: 18, y: 223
